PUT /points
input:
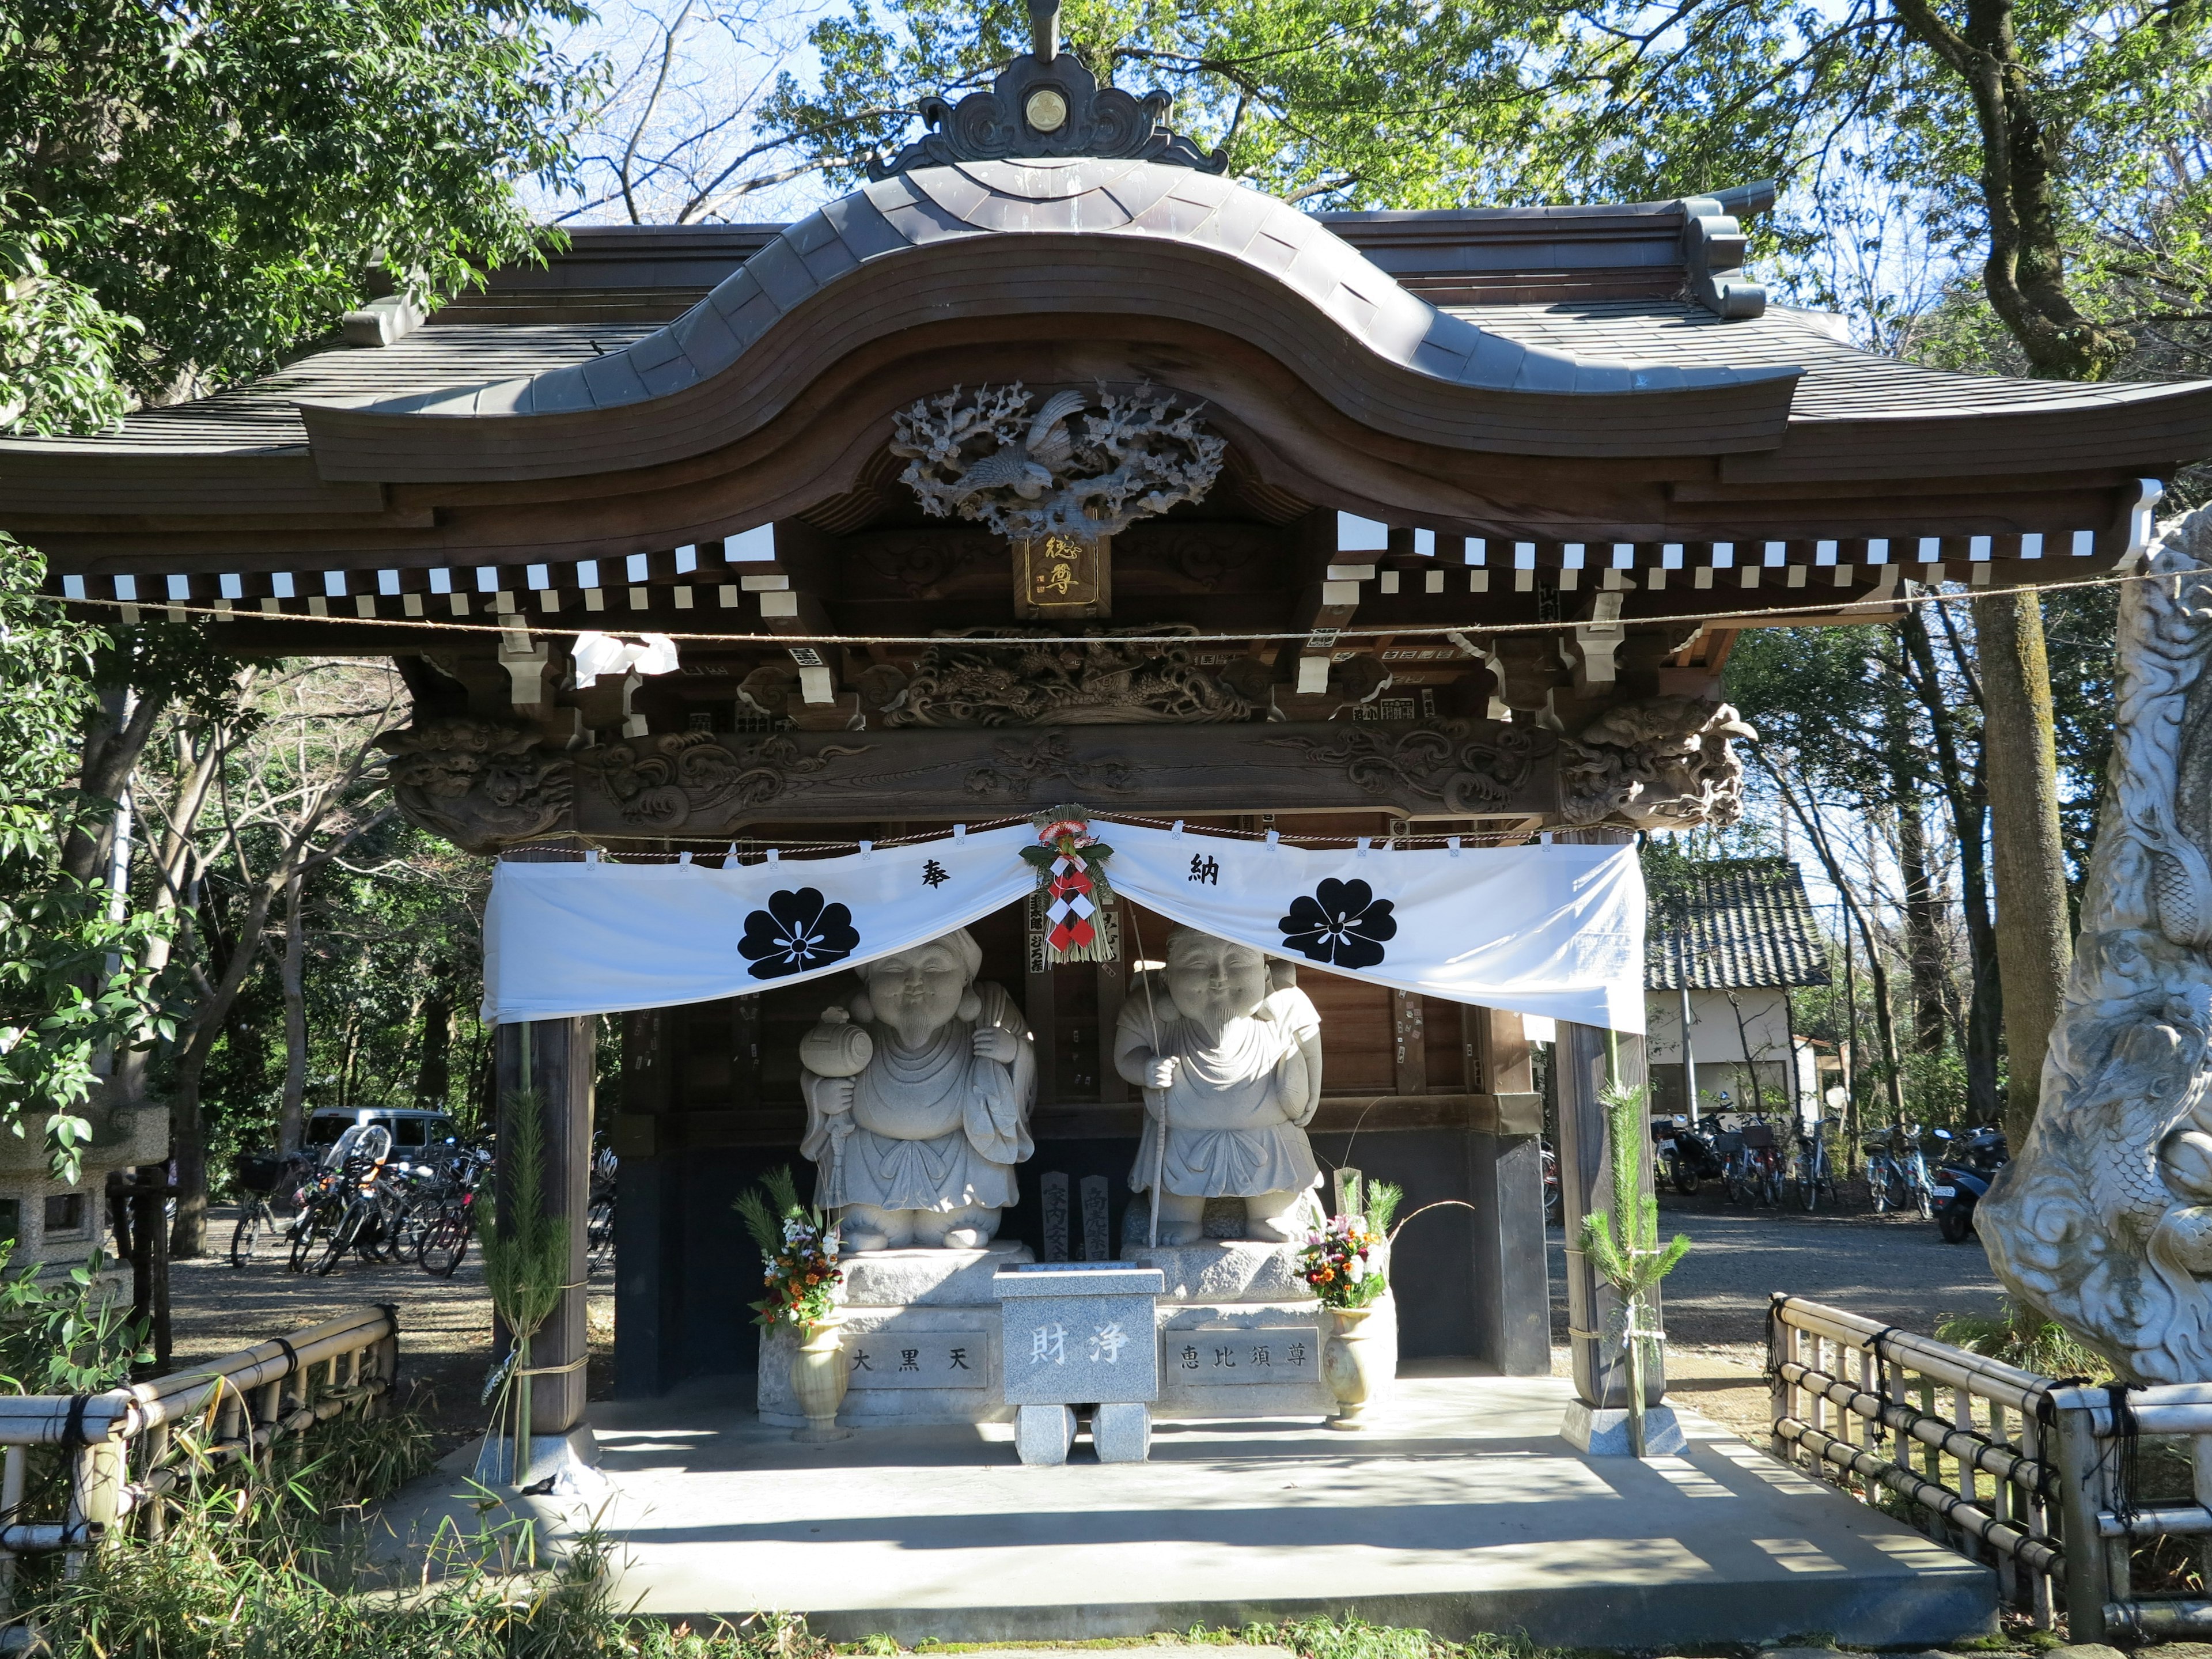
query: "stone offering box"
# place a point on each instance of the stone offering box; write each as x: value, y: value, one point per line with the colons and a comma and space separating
x: 1079, y: 1333
x: 1239, y: 1335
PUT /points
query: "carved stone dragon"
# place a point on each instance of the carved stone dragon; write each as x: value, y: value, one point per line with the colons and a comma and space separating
x: 1663, y: 763
x: 1083, y: 466
x: 2104, y: 1218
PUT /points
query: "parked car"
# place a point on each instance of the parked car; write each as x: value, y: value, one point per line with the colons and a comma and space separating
x: 419, y: 1136
x: 1965, y: 1166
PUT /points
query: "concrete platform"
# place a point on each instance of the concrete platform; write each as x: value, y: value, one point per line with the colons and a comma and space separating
x: 1463, y: 1510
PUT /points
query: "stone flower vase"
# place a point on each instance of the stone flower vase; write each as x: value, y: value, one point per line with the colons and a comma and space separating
x: 1347, y: 1365
x: 818, y: 1378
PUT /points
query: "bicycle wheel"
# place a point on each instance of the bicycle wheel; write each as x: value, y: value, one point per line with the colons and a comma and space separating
x: 1923, y: 1199
x: 1774, y: 1182
x: 1878, y: 1186
x: 305, y: 1234
x: 1734, y: 1182
x: 248, y: 1233
x: 444, y: 1243
x: 599, y: 1230
x: 1809, y: 1181
x: 343, y: 1237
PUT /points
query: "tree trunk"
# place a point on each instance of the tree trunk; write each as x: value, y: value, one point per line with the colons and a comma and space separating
x: 188, y: 1150
x: 113, y: 740
x: 2024, y: 274
x: 1884, y: 1022
x: 291, y: 1123
x: 1968, y: 794
x: 2034, y: 946
x: 1923, y: 946
x: 433, y: 1067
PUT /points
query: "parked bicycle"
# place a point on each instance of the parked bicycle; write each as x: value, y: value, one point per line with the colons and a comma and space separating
x: 264, y: 1179
x: 1751, y: 1161
x: 1814, y: 1174
x: 449, y: 1217
x: 1897, y: 1172
x: 350, y: 1204
x: 600, y: 1209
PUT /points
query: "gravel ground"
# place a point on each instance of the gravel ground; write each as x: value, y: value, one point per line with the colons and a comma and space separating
x: 1894, y: 1268
x: 444, y: 1324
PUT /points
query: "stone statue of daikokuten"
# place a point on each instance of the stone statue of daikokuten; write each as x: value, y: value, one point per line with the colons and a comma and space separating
x: 1231, y: 1059
x: 919, y: 1090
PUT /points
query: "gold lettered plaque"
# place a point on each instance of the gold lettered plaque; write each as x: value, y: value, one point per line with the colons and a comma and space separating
x: 1061, y: 576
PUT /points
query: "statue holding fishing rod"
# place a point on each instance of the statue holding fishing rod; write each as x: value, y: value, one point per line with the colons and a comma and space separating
x: 1229, y: 1059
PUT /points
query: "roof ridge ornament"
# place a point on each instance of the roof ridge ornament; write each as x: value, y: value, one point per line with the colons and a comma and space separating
x: 1046, y: 104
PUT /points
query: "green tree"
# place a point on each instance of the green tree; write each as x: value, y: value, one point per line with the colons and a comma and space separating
x: 186, y: 192
x: 73, y: 987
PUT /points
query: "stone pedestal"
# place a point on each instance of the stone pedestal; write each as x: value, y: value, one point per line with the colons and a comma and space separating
x: 565, y: 1465
x: 1121, y: 1432
x: 1044, y: 1434
x: 1236, y: 1335
x: 1241, y: 1333
x: 1604, y: 1432
x: 921, y: 1340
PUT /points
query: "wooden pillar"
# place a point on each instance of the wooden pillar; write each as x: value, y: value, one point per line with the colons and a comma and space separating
x: 1409, y: 1044
x: 561, y: 1061
x: 1505, y: 1173
x: 1585, y: 1155
x: 1497, y: 1048
x: 648, y: 1229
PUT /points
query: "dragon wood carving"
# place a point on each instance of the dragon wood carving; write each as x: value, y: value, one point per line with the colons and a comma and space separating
x: 479, y: 783
x: 1468, y: 766
x: 2104, y: 1218
x: 1663, y: 763
x: 1083, y: 466
x: 1099, y: 682
x: 666, y: 781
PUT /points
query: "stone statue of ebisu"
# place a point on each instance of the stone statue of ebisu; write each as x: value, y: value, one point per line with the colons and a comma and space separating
x: 918, y: 1097
x: 2103, y: 1220
x: 1235, y: 1068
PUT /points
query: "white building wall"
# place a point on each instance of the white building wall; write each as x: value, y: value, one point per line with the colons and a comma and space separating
x: 1722, y: 1045
x: 1715, y: 1036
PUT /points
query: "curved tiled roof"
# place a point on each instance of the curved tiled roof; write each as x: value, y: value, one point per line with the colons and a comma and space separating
x: 1740, y: 923
x: 1118, y: 198
x: 1024, y: 245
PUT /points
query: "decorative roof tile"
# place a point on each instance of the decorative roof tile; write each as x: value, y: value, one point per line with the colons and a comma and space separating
x: 1739, y: 924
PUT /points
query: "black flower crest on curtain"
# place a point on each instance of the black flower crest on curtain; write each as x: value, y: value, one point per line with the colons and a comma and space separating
x: 1342, y: 924
x: 797, y: 932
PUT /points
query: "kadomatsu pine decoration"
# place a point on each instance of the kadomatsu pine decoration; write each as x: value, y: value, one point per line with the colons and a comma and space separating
x: 1634, y: 1263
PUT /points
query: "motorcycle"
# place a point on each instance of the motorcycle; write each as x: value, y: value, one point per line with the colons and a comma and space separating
x: 1964, y: 1169
x: 1686, y: 1151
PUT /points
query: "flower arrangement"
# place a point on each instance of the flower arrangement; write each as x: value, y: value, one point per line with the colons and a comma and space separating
x: 1339, y: 1260
x: 798, y: 1248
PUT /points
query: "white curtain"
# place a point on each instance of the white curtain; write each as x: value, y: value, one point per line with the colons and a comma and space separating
x: 1555, y: 931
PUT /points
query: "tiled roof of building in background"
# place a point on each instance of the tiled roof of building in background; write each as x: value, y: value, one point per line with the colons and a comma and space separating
x: 1740, y: 923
